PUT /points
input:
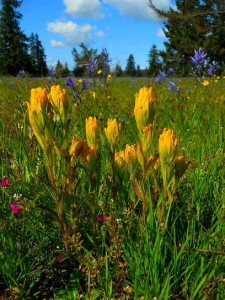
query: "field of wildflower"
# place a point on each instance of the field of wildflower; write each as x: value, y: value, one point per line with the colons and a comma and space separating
x: 112, y: 188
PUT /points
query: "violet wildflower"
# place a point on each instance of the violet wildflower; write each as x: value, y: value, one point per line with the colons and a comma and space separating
x: 21, y: 74
x: 210, y: 70
x: 161, y: 77
x: 91, y: 67
x: 5, y: 181
x: 199, y: 57
x: 171, y: 86
x: 83, y: 84
x: 170, y: 71
x: 70, y: 83
x: 15, y: 209
x: 199, y: 61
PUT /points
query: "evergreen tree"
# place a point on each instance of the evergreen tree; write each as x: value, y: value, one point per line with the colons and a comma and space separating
x: 194, y: 24
x: 130, y: 67
x: 13, y: 42
x: 138, y: 71
x: 118, y: 71
x: 154, y: 61
x: 37, y: 56
x: 65, y: 70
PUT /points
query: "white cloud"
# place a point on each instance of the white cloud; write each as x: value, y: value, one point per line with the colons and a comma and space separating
x: 84, y: 8
x: 160, y: 33
x: 72, y: 33
x: 55, y: 43
x: 138, y: 9
x: 100, y: 33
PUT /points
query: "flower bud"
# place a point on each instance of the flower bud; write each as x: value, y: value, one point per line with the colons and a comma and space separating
x: 144, y: 109
x: 112, y: 132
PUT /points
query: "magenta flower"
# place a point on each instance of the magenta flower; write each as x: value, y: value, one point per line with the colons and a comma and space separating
x: 5, y: 181
x: 102, y: 219
x: 15, y: 209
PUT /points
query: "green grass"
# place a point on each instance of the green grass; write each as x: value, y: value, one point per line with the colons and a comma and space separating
x: 133, y: 255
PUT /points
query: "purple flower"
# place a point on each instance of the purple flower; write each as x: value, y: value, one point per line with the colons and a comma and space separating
x: 70, y: 83
x: 5, y: 181
x: 172, y: 87
x: 91, y: 67
x: 199, y: 57
x: 170, y: 71
x: 83, y: 84
x: 161, y: 77
x: 212, y: 67
x: 21, y: 74
x: 15, y: 209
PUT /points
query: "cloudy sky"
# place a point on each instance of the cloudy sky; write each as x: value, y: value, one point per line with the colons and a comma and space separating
x: 124, y: 27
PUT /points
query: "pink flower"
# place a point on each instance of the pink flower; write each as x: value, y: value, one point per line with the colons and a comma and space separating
x: 102, y: 219
x: 15, y: 209
x: 5, y: 181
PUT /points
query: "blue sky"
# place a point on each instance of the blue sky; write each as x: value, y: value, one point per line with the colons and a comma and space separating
x: 123, y: 27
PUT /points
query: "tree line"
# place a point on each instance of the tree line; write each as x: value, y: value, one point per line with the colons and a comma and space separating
x: 193, y: 24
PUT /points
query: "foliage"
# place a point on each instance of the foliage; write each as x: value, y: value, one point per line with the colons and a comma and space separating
x: 37, y: 56
x: 17, y: 51
x: 130, y: 69
x: 192, y: 25
x: 154, y: 61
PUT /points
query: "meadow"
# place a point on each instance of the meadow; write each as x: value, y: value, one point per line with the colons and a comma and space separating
x: 112, y: 188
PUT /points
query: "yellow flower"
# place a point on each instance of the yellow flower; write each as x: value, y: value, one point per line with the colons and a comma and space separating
x: 59, y: 101
x: 92, y: 131
x: 112, y: 132
x: 38, y: 99
x: 109, y: 76
x: 130, y: 157
x: 119, y: 159
x: 205, y: 82
x: 144, y: 109
x: 146, y: 138
x: 99, y: 72
x: 38, y: 115
x: 167, y: 146
x: 216, y: 80
x: 78, y: 148
x: 90, y: 159
x: 79, y: 80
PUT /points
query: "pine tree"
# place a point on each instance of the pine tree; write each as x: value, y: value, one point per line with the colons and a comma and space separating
x: 118, y: 71
x: 130, y: 67
x: 37, y: 56
x: 154, y: 61
x: 13, y: 42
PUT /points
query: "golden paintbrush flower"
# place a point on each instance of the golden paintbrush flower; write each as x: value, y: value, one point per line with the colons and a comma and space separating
x: 92, y: 132
x: 144, y: 109
x: 57, y: 97
x: 112, y: 132
x: 167, y: 146
x: 37, y: 112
